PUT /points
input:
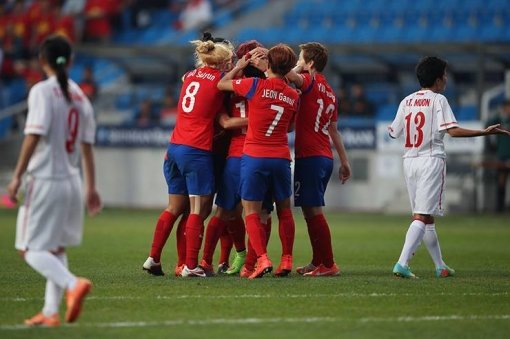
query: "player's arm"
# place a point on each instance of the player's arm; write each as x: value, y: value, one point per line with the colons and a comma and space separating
x: 345, y: 167
x: 92, y: 198
x: 295, y: 78
x: 27, y: 150
x: 228, y: 122
x: 459, y: 132
x: 225, y: 84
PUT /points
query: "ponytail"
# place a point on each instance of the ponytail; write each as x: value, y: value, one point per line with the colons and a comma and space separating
x: 56, y: 51
x: 62, y: 77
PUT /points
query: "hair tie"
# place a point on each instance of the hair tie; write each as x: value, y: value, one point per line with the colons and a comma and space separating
x: 61, y: 60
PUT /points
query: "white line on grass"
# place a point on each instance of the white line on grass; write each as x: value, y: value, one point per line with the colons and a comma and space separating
x: 249, y: 321
x: 271, y: 296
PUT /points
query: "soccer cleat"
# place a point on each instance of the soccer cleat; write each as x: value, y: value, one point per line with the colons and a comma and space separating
x: 178, y: 270
x: 152, y: 267
x: 305, y: 269
x: 75, y: 298
x: 238, y: 263
x: 445, y: 271
x: 41, y: 320
x: 264, y: 266
x: 245, y: 273
x: 285, y: 266
x: 323, y: 271
x: 222, y: 268
x: 208, y: 269
x: 402, y: 271
x: 196, y: 272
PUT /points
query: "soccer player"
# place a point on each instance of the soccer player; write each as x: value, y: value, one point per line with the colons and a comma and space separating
x: 424, y: 117
x: 59, y: 131
x: 265, y: 163
x: 315, y: 126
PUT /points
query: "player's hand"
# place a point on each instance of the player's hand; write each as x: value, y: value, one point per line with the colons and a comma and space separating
x: 344, y: 172
x: 502, y: 131
x: 13, y: 189
x: 93, y: 202
x: 493, y: 129
x: 259, y: 60
x: 243, y: 62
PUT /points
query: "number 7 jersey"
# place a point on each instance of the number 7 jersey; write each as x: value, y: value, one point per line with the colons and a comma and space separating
x: 423, y: 117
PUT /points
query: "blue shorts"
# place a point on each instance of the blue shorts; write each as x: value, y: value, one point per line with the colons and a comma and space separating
x: 228, y: 192
x: 311, y: 177
x: 188, y: 170
x: 262, y: 175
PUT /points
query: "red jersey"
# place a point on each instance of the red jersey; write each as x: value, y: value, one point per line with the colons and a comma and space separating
x: 199, y: 103
x: 273, y: 104
x: 238, y: 109
x: 317, y: 111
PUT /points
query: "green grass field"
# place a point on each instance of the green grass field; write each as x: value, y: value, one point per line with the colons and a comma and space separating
x: 365, y: 301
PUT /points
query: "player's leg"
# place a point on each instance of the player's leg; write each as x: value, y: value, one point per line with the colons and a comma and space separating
x: 216, y: 226
x: 226, y: 244
x: 180, y: 238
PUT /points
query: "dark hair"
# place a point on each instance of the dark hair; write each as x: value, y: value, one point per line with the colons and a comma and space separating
x: 281, y: 59
x: 316, y: 52
x: 429, y: 69
x: 249, y: 71
x: 207, y: 36
x: 56, y: 51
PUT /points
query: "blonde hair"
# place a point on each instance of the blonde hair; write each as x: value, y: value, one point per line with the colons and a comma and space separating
x: 211, y: 54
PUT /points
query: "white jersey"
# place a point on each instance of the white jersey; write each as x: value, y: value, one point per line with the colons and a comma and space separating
x: 62, y: 127
x: 423, y: 117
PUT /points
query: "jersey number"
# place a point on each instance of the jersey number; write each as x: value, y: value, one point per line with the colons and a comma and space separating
x: 279, y: 113
x: 191, y: 91
x: 419, y: 121
x: 242, y: 110
x: 329, y: 109
x: 73, y: 121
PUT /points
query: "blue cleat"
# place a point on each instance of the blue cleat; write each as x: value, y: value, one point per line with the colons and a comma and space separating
x: 444, y: 272
x: 403, y: 271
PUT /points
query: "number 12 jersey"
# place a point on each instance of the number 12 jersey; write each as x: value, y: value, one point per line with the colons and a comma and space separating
x: 423, y: 117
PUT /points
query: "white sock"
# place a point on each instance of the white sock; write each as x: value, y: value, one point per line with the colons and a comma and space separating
x: 53, y: 294
x: 47, y: 265
x: 413, y: 238
x: 432, y: 242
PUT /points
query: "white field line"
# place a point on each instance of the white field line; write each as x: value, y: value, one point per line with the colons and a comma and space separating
x: 250, y: 321
x: 279, y: 296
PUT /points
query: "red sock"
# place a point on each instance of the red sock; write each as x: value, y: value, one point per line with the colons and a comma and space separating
x: 324, y: 240
x: 256, y: 234
x: 237, y: 231
x: 226, y: 246
x: 161, y: 233
x: 180, y: 237
x: 214, y: 229
x: 286, y: 229
x: 194, y: 235
x: 251, y: 257
x: 267, y: 229
x: 314, y: 234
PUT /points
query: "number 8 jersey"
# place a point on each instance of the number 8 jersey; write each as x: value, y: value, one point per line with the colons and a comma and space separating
x: 423, y: 117
x: 62, y: 127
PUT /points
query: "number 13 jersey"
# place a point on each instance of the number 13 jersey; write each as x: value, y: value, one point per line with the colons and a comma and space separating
x: 423, y: 117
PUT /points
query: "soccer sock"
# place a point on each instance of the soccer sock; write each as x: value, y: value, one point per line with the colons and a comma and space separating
x: 325, y: 248
x: 314, y: 235
x: 432, y: 242
x: 161, y: 232
x: 226, y: 246
x: 413, y: 238
x: 286, y: 230
x: 251, y: 257
x: 256, y: 234
x: 267, y: 228
x: 53, y: 293
x: 237, y: 232
x: 194, y: 235
x: 214, y: 229
x: 50, y: 267
x: 180, y: 237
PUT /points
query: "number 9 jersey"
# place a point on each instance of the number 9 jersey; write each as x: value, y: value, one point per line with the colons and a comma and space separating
x: 423, y: 117
x: 62, y: 126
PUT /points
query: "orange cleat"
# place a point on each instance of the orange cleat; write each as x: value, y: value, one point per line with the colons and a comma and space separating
x: 285, y: 266
x: 178, y: 270
x: 208, y: 268
x: 76, y: 297
x: 305, y: 269
x: 245, y: 272
x: 323, y: 271
x: 264, y: 266
x: 41, y: 320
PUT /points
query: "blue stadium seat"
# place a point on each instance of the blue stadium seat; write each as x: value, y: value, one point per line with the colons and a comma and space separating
x: 386, y: 112
x: 466, y: 113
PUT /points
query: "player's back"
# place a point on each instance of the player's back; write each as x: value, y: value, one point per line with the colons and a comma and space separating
x: 317, y: 111
x: 238, y: 109
x: 423, y: 117
x: 62, y: 126
x: 199, y: 103
x: 272, y: 108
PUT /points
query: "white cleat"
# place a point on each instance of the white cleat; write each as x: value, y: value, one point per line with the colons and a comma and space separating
x: 152, y: 267
x: 196, y: 272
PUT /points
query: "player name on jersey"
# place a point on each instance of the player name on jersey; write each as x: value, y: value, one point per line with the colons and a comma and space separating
x: 271, y: 94
x: 418, y: 102
x: 202, y: 75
